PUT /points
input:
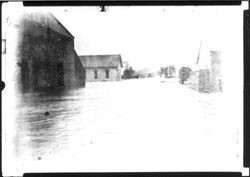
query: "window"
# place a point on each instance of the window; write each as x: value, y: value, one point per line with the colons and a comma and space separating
x: 107, y: 74
x: 96, y: 76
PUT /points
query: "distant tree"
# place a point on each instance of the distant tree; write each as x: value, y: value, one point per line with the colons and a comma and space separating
x: 172, y: 71
x: 142, y: 74
x: 184, y: 74
x: 159, y: 73
x: 168, y: 71
x: 164, y: 71
x: 129, y: 73
x: 146, y: 72
x: 150, y: 75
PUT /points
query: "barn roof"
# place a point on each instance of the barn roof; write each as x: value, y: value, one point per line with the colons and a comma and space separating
x: 98, y: 61
x: 48, y: 20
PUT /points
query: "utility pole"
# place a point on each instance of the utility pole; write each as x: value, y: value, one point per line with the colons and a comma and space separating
x: 198, y: 58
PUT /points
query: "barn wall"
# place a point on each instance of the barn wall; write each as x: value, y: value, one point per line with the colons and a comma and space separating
x: 80, y: 72
x: 46, y: 59
x: 215, y: 70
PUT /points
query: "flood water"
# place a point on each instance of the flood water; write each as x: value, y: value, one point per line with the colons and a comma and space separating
x: 136, y: 124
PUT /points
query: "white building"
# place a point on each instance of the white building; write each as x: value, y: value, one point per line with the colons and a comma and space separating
x: 102, y: 67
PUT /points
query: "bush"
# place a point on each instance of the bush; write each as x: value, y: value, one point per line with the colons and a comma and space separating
x: 129, y: 74
x: 184, y: 74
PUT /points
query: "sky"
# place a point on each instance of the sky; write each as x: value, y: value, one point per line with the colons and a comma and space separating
x: 152, y: 36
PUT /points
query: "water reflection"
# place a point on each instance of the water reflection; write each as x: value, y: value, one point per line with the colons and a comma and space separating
x: 113, y: 117
x: 46, y: 118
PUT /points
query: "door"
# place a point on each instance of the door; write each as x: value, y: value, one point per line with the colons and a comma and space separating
x: 60, y: 71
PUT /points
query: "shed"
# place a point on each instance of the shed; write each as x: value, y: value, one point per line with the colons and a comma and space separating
x: 102, y: 67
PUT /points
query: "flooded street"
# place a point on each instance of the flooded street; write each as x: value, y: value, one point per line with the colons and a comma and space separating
x: 153, y: 88
x: 129, y: 125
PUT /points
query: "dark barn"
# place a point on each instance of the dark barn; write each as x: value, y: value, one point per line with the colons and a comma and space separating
x: 47, y: 59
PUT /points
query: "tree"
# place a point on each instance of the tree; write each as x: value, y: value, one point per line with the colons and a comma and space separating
x: 164, y: 71
x: 184, y: 74
x: 129, y: 73
x: 168, y: 71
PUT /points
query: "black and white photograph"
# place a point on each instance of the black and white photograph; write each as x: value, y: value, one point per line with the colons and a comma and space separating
x: 122, y: 88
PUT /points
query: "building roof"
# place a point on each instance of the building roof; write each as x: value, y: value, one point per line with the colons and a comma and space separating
x: 99, y: 61
x: 48, y: 20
